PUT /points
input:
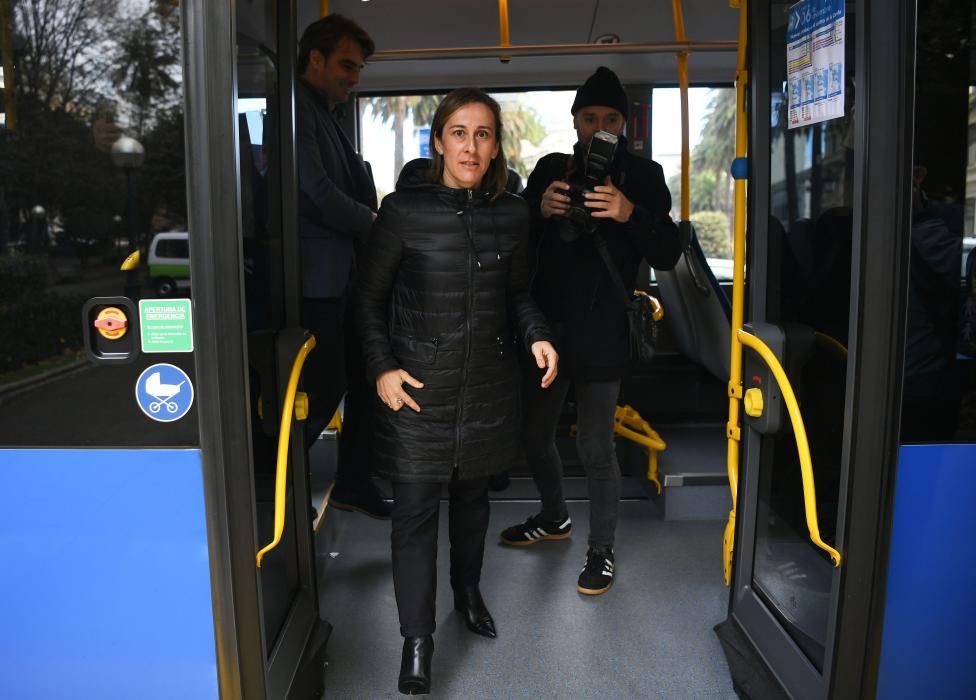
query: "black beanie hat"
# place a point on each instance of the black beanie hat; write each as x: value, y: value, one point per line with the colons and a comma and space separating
x: 603, y: 88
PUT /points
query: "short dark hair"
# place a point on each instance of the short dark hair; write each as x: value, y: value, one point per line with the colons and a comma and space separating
x: 496, y: 178
x: 326, y: 33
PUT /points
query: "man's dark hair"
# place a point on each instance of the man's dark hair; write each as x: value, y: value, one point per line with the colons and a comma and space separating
x: 326, y: 33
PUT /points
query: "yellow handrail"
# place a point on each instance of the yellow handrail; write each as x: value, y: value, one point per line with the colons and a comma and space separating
x: 284, y: 435
x: 732, y: 430
x: 799, y: 433
x: 832, y: 344
x: 628, y: 424
x: 679, y: 35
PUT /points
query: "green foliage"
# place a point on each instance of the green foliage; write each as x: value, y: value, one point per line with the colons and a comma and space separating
x: 35, y: 325
x: 714, y: 233
x: 703, y: 191
x: 521, y: 124
x: 716, y: 149
x: 397, y: 109
x: 22, y: 277
x: 48, y: 326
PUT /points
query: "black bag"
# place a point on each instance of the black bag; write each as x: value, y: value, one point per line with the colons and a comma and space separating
x: 643, y: 311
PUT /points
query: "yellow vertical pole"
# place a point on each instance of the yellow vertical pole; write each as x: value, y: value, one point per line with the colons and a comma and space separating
x: 9, y: 84
x: 323, y: 8
x: 733, y: 431
x: 503, y: 36
x: 679, y: 35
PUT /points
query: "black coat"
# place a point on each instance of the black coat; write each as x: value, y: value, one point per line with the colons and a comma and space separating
x: 572, y: 284
x: 444, y: 281
x: 336, y: 197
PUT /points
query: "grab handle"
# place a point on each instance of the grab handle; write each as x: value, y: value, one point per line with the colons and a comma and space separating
x: 800, y: 434
x: 284, y: 435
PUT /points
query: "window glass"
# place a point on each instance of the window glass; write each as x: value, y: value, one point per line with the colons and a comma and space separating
x: 939, y: 390
x: 711, y: 130
x: 395, y: 130
x: 91, y: 167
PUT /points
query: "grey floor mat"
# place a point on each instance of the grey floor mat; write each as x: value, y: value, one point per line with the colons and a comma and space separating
x: 649, y: 637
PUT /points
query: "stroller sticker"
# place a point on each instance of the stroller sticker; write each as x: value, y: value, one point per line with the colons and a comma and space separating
x: 164, y: 392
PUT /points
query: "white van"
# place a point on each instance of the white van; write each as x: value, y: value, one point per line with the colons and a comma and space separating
x: 169, y: 262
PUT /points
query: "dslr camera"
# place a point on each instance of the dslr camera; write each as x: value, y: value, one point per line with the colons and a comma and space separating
x: 596, y: 165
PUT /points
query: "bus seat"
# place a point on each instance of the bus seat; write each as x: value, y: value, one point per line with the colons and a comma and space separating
x: 699, y: 315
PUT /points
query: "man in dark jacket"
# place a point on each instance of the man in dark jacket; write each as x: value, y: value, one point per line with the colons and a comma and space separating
x: 581, y: 297
x: 337, y: 205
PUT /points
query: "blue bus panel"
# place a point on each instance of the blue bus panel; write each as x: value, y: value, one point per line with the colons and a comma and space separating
x: 105, y: 591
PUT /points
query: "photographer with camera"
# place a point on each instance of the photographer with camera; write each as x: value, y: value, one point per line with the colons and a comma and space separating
x: 601, y: 197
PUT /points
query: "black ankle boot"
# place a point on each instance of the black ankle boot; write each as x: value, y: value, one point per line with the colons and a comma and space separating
x: 471, y: 605
x: 415, y: 665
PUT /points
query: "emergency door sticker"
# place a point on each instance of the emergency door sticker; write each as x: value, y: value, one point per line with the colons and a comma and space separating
x: 166, y: 325
x: 815, y: 61
x: 164, y: 392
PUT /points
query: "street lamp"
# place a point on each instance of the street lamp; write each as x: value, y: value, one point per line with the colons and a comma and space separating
x: 37, y: 236
x: 128, y: 154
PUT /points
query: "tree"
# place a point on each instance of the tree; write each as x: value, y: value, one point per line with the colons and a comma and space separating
x: 398, y: 108
x: 64, y: 56
x: 714, y: 233
x: 716, y: 149
x: 147, y: 64
x: 521, y: 123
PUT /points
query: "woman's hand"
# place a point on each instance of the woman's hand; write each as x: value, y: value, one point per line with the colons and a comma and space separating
x: 608, y: 202
x: 546, y: 357
x: 389, y: 386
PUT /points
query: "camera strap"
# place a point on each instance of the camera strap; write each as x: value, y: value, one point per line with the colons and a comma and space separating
x: 601, y: 246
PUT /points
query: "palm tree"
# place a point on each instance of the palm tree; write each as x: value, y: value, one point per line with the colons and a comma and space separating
x: 521, y: 123
x: 397, y: 108
x: 716, y: 149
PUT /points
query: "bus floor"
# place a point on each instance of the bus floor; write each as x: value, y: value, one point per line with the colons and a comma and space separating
x: 650, y: 636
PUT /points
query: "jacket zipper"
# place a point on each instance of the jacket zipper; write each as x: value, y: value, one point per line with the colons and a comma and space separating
x: 469, y: 300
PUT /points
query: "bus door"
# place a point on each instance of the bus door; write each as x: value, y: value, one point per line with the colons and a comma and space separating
x: 140, y: 422
x: 240, y: 66
x: 827, y: 208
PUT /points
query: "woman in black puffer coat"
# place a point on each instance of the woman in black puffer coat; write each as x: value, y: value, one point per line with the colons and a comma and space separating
x: 444, y: 284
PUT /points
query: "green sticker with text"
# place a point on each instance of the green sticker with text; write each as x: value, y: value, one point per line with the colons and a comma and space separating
x: 165, y: 325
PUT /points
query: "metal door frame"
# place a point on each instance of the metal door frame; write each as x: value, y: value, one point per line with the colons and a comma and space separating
x: 246, y: 667
x: 884, y: 55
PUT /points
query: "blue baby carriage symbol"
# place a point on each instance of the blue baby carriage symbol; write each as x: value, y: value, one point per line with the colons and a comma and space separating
x: 164, y: 392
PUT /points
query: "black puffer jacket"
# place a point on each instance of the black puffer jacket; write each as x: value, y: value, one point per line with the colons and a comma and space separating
x: 444, y: 282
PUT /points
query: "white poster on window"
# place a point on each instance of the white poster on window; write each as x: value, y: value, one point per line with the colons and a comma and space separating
x: 815, y: 61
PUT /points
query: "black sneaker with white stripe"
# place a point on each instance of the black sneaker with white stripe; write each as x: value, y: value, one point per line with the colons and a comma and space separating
x: 597, y: 574
x: 535, y: 529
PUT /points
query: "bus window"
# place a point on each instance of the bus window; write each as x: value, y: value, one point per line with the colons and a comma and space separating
x: 91, y: 168
x: 394, y: 130
x: 711, y: 126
